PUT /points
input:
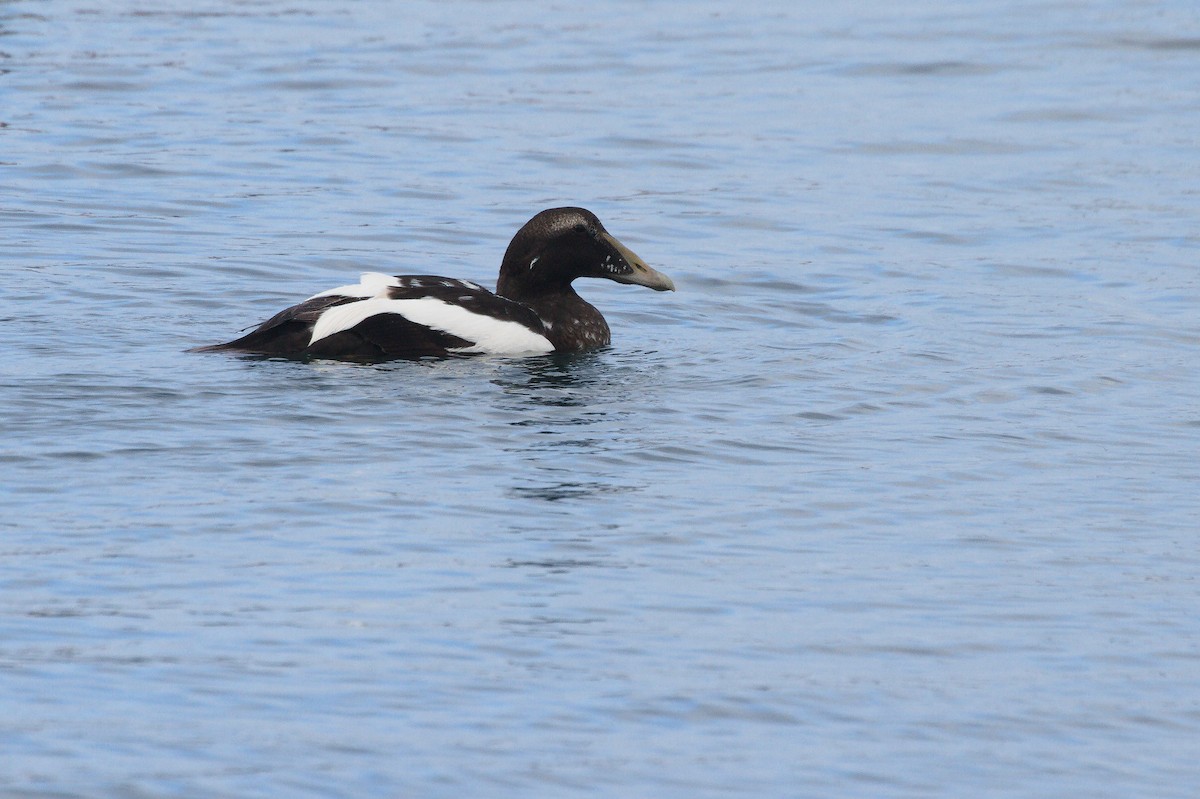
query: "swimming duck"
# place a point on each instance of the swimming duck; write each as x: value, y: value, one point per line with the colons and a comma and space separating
x: 534, y: 309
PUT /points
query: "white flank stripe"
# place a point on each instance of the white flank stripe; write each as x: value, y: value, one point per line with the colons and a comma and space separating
x: 490, y: 335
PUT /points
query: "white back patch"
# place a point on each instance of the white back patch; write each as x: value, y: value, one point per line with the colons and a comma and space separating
x: 490, y: 335
x: 370, y: 284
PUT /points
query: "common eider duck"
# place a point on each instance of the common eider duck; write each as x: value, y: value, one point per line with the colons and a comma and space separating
x: 534, y: 309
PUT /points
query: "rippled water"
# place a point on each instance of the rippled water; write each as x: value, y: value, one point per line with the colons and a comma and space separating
x: 896, y: 496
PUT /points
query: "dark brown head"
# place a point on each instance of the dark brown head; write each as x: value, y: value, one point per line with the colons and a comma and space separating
x: 561, y: 244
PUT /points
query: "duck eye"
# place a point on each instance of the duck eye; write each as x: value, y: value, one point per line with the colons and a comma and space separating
x: 581, y: 228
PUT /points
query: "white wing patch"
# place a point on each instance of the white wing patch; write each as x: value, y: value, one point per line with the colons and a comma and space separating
x: 491, y: 335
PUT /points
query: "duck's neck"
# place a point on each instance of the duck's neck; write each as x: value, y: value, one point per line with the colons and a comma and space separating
x: 571, y: 322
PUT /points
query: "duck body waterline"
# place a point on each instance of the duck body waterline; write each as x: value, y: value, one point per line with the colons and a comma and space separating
x: 534, y: 310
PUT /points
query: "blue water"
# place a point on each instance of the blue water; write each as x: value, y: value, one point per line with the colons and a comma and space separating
x: 895, y: 497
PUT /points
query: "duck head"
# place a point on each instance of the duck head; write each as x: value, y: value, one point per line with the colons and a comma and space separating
x: 561, y: 244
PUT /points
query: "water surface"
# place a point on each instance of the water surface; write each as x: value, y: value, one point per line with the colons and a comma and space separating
x: 896, y: 496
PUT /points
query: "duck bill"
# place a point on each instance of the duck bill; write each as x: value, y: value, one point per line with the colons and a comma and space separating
x: 640, y: 273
